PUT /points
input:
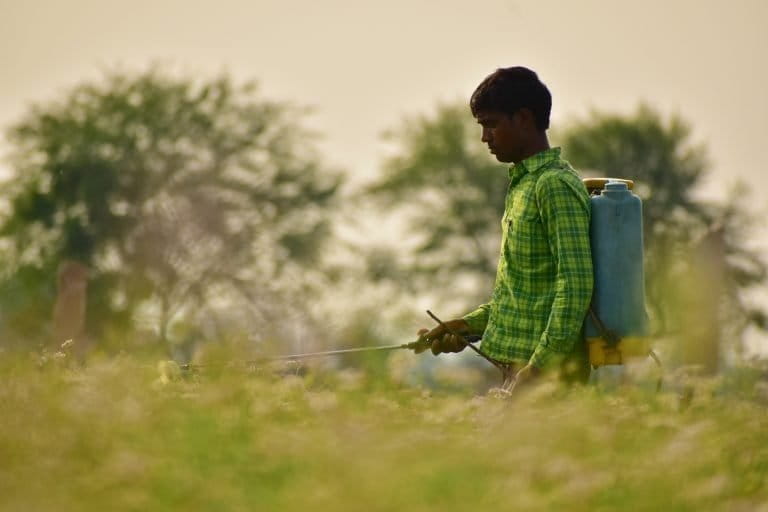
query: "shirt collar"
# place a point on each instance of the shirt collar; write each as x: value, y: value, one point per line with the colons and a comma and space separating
x: 533, y: 163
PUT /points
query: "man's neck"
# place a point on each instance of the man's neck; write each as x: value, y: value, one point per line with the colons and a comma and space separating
x: 538, y: 144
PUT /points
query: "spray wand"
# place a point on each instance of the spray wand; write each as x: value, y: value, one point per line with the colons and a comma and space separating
x: 421, y: 344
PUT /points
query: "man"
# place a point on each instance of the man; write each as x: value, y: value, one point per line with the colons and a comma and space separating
x: 544, y: 279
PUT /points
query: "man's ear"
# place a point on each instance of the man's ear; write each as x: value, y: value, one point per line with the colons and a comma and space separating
x: 526, y: 118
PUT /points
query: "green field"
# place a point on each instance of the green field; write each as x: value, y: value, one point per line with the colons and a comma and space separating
x: 119, y: 434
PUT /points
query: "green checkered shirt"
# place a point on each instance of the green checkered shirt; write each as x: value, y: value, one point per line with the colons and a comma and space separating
x: 544, y: 277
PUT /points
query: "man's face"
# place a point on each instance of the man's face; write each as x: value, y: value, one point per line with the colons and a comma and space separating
x: 506, y: 135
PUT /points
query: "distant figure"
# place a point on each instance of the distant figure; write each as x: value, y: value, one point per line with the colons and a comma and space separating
x: 703, y: 295
x: 69, y: 310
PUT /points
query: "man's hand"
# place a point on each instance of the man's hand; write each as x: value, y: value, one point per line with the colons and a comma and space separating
x: 442, y: 341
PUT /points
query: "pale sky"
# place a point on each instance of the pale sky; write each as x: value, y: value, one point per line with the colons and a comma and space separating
x: 364, y: 65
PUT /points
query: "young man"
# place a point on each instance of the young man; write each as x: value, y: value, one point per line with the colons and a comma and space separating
x: 544, y: 279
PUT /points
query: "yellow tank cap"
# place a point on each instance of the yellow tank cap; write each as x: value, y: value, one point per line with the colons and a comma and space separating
x: 595, y: 184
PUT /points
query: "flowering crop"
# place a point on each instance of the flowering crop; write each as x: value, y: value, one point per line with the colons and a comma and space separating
x: 123, y: 435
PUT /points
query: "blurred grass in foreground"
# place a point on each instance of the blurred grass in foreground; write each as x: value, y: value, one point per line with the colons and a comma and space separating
x: 119, y: 435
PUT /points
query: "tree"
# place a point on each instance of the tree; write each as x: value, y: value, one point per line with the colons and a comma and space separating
x: 178, y: 194
x: 452, y: 194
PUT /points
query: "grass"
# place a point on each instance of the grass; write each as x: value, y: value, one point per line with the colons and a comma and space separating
x: 121, y: 434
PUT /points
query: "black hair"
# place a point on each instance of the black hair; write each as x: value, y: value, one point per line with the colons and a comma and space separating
x: 508, y: 90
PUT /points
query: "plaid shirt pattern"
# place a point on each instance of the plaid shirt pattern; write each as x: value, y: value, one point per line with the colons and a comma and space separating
x: 544, y: 277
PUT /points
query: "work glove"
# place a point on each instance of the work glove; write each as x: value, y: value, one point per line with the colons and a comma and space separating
x: 441, y: 341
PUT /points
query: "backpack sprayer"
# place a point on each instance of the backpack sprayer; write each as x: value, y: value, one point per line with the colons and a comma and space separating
x: 616, y: 327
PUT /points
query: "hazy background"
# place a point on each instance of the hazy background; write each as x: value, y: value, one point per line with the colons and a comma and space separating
x: 362, y: 66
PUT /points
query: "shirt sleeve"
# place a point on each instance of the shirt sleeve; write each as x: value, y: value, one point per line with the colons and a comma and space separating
x: 565, y: 212
x: 478, y: 319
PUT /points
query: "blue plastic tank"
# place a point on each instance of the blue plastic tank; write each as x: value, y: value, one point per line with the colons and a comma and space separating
x: 616, y: 233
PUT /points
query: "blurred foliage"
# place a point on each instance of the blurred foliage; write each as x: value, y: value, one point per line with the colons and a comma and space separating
x: 452, y: 193
x: 177, y: 193
x: 123, y: 435
x: 669, y: 169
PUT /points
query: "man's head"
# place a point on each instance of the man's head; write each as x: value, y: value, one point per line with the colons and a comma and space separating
x: 512, y: 105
